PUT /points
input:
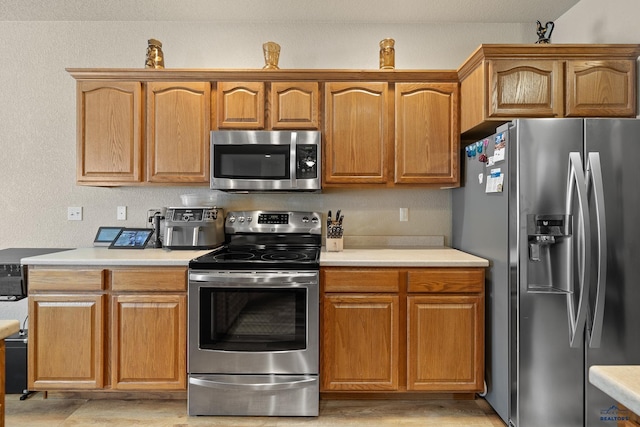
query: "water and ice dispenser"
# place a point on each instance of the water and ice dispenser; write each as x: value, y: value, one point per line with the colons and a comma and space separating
x: 549, y: 253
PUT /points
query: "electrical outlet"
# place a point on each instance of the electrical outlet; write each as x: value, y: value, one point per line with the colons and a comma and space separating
x: 74, y: 213
x: 404, y: 214
x: 122, y: 213
x: 151, y: 213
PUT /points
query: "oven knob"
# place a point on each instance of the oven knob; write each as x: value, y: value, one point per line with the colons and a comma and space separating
x: 249, y: 218
x: 305, y: 219
x: 241, y: 219
x: 315, y: 220
x: 232, y: 219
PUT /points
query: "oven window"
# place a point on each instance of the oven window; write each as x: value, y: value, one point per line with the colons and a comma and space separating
x: 253, y: 319
x: 251, y: 161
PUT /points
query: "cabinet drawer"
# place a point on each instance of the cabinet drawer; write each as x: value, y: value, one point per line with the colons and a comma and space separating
x: 446, y: 280
x: 361, y: 280
x: 148, y: 279
x: 66, y: 279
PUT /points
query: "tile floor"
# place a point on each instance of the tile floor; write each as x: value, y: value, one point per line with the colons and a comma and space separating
x: 63, y: 412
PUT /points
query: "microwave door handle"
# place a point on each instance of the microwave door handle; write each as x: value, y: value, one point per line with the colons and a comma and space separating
x: 293, y: 164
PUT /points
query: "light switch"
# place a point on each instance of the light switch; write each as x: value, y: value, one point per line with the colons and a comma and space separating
x: 122, y: 213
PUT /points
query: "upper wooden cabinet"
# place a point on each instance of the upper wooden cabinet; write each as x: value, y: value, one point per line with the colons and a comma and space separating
x: 109, y: 124
x: 503, y: 82
x: 241, y: 105
x: 111, y: 147
x: 178, y: 130
x: 362, y: 147
x: 427, y: 133
x: 357, y: 137
x: 294, y: 105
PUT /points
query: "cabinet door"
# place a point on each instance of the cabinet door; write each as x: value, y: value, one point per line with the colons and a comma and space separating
x: 360, y: 342
x: 109, y: 140
x: 178, y: 130
x: 601, y: 88
x: 66, y: 342
x: 240, y: 105
x: 294, y: 105
x: 358, y: 142
x: 427, y: 133
x: 148, y: 342
x: 524, y: 88
x: 445, y: 345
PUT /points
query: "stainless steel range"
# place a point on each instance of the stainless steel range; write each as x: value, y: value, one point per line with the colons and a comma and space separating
x: 253, y: 318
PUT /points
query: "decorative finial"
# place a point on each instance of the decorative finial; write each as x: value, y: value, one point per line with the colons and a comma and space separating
x: 155, y: 57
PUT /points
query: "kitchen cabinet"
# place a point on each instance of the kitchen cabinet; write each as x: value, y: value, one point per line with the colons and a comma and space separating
x: 111, y: 137
x: 361, y: 147
x: 241, y: 105
x: 503, y: 82
x: 291, y: 105
x: 427, y: 133
x: 66, y: 323
x: 402, y: 330
x: 178, y: 132
x: 124, y: 328
x: 294, y: 105
x: 357, y: 133
x: 109, y: 126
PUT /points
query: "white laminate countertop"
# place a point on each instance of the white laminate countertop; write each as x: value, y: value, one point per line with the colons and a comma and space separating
x: 621, y: 382
x: 429, y: 257
x: 106, y: 256
x: 8, y: 327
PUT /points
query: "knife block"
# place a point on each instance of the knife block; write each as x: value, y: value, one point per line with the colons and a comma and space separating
x: 334, y: 244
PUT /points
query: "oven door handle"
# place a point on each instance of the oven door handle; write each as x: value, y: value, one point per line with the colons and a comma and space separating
x: 251, y: 278
x: 253, y: 384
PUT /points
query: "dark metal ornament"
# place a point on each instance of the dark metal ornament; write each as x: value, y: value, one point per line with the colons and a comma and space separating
x: 544, y: 33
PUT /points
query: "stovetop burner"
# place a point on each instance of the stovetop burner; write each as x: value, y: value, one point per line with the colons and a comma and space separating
x: 260, y: 240
x: 258, y: 258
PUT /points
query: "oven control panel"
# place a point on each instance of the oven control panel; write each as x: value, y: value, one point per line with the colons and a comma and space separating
x: 273, y: 218
x: 270, y: 222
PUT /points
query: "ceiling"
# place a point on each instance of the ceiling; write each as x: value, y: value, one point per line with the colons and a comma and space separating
x: 337, y: 11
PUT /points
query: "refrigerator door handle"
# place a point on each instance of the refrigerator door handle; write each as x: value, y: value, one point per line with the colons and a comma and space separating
x: 595, y: 184
x: 576, y: 183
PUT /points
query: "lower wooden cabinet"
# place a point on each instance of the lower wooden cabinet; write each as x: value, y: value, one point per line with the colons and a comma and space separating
x: 111, y: 329
x: 361, y: 342
x: 148, y: 342
x: 402, y: 330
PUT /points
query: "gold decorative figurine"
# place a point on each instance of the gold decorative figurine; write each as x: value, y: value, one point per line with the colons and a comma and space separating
x: 271, y: 52
x: 155, y: 57
x: 387, y: 54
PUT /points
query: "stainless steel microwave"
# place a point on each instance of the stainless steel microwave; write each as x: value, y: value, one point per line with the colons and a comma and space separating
x: 266, y: 160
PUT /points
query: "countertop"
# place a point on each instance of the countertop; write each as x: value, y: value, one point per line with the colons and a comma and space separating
x: 8, y: 327
x: 382, y: 257
x: 621, y: 382
x: 106, y: 256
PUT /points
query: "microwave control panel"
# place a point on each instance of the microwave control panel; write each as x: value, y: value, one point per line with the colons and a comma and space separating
x: 306, y: 161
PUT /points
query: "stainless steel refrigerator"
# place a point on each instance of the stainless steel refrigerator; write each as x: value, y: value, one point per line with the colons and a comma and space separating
x: 554, y: 205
